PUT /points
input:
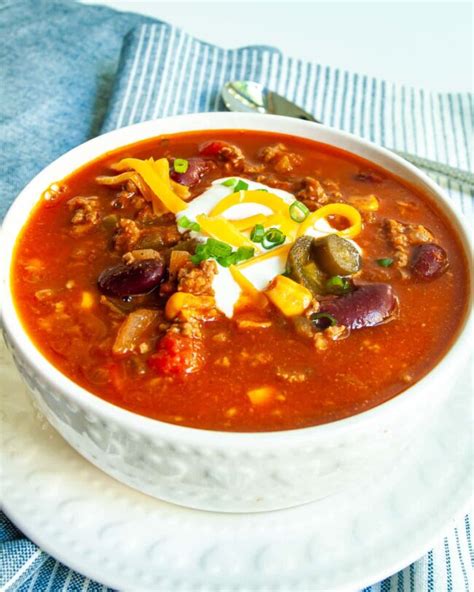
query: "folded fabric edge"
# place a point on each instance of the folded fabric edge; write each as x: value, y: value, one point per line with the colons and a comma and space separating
x: 135, y: 64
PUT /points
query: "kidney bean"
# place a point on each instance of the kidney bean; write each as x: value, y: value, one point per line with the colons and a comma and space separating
x: 197, y: 167
x: 368, y: 305
x: 429, y: 261
x: 140, y: 277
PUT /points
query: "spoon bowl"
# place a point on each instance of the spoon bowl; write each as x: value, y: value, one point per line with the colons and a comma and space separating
x: 250, y: 97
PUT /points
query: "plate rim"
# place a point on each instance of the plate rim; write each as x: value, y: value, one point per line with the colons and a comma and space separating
x: 77, y: 562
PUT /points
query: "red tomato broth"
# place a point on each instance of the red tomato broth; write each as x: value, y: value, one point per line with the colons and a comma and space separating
x: 369, y: 367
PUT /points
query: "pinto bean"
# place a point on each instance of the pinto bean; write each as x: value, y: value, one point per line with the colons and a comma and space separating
x: 367, y: 306
x: 140, y: 277
x: 429, y: 261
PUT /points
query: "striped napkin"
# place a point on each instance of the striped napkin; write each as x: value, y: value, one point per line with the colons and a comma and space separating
x: 163, y: 71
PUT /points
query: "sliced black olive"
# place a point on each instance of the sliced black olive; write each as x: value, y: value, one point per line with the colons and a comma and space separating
x: 335, y: 255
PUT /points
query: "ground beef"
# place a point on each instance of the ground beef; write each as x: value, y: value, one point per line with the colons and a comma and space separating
x: 314, y: 193
x: 85, y: 214
x: 187, y: 331
x: 140, y: 255
x: 132, y: 235
x: 191, y: 328
x: 402, y: 236
x: 156, y: 237
x: 126, y: 236
x: 337, y: 332
x: 292, y: 376
x: 251, y: 168
x: 232, y: 156
x: 282, y: 160
x: 130, y: 196
x: 272, y: 181
x: 418, y: 234
x: 198, y: 280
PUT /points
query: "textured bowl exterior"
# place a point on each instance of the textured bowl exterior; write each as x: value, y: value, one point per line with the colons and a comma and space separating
x: 230, y: 472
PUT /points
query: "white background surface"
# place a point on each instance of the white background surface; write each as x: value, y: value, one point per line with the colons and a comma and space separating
x: 427, y: 44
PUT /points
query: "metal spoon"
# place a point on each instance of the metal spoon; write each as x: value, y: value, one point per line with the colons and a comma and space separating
x: 250, y: 97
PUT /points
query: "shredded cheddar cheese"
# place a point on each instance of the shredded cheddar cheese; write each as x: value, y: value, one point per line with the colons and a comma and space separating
x: 156, y: 175
x: 250, y: 292
x: 250, y: 221
x: 264, y: 198
x: 223, y: 230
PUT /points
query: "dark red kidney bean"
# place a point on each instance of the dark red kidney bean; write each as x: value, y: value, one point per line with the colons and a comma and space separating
x: 368, y: 305
x: 212, y: 148
x: 139, y: 277
x: 197, y: 168
x: 429, y: 261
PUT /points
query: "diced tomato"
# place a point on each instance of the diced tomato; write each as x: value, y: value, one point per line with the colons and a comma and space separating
x: 212, y: 148
x: 177, y: 354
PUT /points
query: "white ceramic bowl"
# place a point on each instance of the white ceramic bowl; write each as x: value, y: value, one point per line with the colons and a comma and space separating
x: 234, y: 472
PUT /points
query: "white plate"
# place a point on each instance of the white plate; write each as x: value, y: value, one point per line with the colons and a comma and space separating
x: 128, y: 540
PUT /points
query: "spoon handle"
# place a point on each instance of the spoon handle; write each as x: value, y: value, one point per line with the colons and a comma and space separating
x: 281, y: 106
x: 250, y: 97
x: 460, y: 175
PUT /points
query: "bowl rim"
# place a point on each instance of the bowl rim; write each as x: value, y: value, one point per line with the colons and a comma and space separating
x: 12, y: 325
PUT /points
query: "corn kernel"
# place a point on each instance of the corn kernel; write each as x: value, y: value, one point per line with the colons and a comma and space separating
x: 261, y: 395
x: 188, y: 305
x: 87, y: 300
x: 288, y: 296
x: 231, y: 412
x: 365, y: 203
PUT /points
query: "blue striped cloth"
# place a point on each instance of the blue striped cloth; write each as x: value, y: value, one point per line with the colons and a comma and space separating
x: 162, y: 71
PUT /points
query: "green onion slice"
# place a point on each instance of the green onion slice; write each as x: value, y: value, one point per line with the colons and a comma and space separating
x: 217, y: 248
x: 244, y: 253
x: 241, y: 254
x: 257, y: 234
x: 241, y: 186
x: 185, y: 222
x: 298, y: 211
x: 180, y: 165
x: 200, y: 254
x: 221, y: 252
x: 385, y: 262
x: 338, y: 285
x: 229, y: 182
x: 272, y: 238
